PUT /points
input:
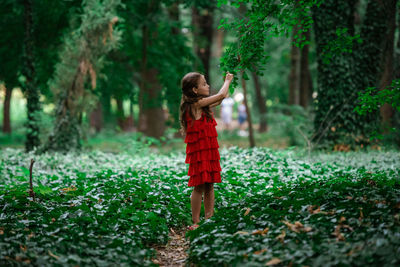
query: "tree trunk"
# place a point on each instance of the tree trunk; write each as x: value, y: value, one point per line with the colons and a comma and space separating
x: 120, y: 114
x: 96, y: 117
x: 340, y: 77
x: 173, y: 109
x: 305, y: 75
x: 31, y: 92
x: 106, y: 106
x: 219, y: 43
x: 154, y: 113
x: 294, y: 76
x: 142, y: 123
x: 202, y: 21
x: 389, y: 7
x: 129, y: 120
x: 151, y: 118
x: 6, y: 110
x: 251, y: 133
x: 262, y: 107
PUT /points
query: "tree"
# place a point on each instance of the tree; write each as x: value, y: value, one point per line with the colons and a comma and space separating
x: 345, y: 68
x: 31, y: 90
x: 81, y: 62
x: 6, y: 110
x: 305, y: 74
x: 386, y: 75
x: 12, y: 28
x: 262, y: 107
x: 294, y: 77
x: 202, y: 20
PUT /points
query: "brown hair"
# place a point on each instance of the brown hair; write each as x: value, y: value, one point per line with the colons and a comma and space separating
x: 189, y: 97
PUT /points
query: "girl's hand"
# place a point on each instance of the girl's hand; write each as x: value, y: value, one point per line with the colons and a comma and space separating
x: 228, y: 77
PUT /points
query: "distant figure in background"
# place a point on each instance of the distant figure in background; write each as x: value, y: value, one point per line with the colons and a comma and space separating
x: 226, y: 112
x: 242, y: 119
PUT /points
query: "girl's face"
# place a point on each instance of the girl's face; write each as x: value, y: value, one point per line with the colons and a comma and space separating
x: 203, y: 88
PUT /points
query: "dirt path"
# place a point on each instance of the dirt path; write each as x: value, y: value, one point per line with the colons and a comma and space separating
x: 173, y: 254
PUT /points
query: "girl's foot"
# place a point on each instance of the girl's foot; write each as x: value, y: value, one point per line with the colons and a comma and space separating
x: 192, y: 227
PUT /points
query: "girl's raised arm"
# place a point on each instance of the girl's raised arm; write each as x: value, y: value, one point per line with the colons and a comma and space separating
x: 223, y: 92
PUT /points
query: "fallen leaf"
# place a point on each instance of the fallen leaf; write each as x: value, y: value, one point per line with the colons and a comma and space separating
x: 31, y: 235
x: 274, y: 261
x: 247, y: 211
x: 260, y: 251
x: 23, y: 247
x: 281, y: 237
x: 172, y: 230
x: 313, y: 210
x: 297, y: 227
x: 54, y: 256
x: 241, y: 233
x: 260, y: 232
x: 338, y: 234
x: 68, y: 189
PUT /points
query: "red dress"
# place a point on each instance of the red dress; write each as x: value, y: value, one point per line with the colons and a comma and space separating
x: 202, y: 151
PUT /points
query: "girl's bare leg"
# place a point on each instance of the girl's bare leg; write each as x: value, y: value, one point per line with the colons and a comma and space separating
x: 209, y: 200
x: 196, y: 198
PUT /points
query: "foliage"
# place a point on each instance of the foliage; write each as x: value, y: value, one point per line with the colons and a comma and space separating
x: 92, y: 208
x: 262, y: 21
x: 372, y: 99
x: 96, y: 208
x: 291, y: 121
x: 12, y: 16
x: 339, y: 209
x: 342, y: 43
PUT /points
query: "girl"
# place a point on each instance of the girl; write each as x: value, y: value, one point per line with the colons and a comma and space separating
x: 202, y: 154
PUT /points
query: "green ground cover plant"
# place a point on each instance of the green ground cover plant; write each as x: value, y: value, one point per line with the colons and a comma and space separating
x: 279, y: 207
x: 330, y: 210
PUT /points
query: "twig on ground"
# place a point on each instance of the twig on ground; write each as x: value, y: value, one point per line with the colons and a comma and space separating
x: 31, y: 192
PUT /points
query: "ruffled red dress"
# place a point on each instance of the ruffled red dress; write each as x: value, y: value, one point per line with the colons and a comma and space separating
x: 202, y: 151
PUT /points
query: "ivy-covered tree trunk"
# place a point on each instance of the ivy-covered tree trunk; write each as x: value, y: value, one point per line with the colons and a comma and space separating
x: 30, y: 88
x: 396, y: 115
x: 6, y: 110
x: 81, y: 60
x: 202, y: 20
x: 339, y: 78
x: 294, y: 76
x: 388, y: 7
x: 262, y: 107
x: 305, y: 75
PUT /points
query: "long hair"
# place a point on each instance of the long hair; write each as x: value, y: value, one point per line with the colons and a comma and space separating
x: 189, y: 97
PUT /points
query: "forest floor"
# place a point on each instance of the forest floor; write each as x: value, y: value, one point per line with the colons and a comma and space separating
x: 173, y: 254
